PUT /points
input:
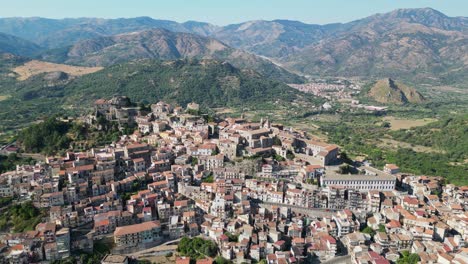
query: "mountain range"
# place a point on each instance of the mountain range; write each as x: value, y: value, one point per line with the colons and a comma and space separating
x: 416, y: 45
x: 17, y: 46
x: 164, y: 45
x: 56, y: 33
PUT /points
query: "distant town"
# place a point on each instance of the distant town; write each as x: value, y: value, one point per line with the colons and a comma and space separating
x: 329, y: 89
x: 259, y: 191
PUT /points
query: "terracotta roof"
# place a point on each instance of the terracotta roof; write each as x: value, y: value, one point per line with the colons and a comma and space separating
x: 104, y: 222
x: 391, y: 166
x: 205, y: 261
x: 310, y: 168
x: 18, y: 247
x: 133, y: 146
x: 138, y: 160
x: 181, y: 203
x: 183, y: 260
x: 131, y: 229
x: 89, y: 167
x: 100, y: 101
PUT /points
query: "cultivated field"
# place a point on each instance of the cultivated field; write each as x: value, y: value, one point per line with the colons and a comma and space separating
x: 4, y: 97
x: 398, y: 123
x: 35, y: 67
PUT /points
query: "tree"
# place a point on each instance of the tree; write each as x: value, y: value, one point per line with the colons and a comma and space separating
x: 209, y: 178
x: 278, y: 158
x: 382, y: 228
x: 345, y: 158
x: 21, y: 217
x: 144, y: 107
x: 344, y: 169
x: 197, y: 247
x: 368, y: 230
x: 221, y: 260
x: 136, y: 185
x: 232, y: 237
x: 193, y: 112
x: 47, y: 137
x: 128, y: 129
x: 407, y: 258
x: 437, y: 192
x: 8, y: 163
x: 277, y: 141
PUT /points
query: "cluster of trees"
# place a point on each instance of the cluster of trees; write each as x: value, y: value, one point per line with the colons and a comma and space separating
x: 277, y: 141
x: 278, y: 157
x: 436, y: 164
x: 221, y: 260
x: 47, y: 137
x: 290, y: 155
x: 197, y: 248
x: 358, y: 137
x: 408, y: 258
x: 8, y: 163
x: 109, y: 131
x: 372, y: 232
x: 449, y: 135
x: 232, y: 237
x: 20, y: 217
x: 211, y: 84
x: 347, y: 169
x: 209, y: 178
x: 53, y: 136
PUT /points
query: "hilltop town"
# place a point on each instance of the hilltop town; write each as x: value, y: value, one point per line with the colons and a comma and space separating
x: 251, y: 191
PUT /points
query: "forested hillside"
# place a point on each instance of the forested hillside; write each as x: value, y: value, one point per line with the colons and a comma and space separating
x: 208, y: 82
x: 446, y: 141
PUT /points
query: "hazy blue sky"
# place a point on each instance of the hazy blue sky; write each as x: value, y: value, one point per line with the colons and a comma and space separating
x: 223, y: 12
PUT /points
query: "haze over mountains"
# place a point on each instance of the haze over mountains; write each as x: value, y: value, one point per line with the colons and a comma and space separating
x: 417, y: 45
x: 16, y: 45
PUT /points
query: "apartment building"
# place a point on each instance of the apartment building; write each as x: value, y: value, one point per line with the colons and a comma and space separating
x: 132, y: 235
x: 372, y: 179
